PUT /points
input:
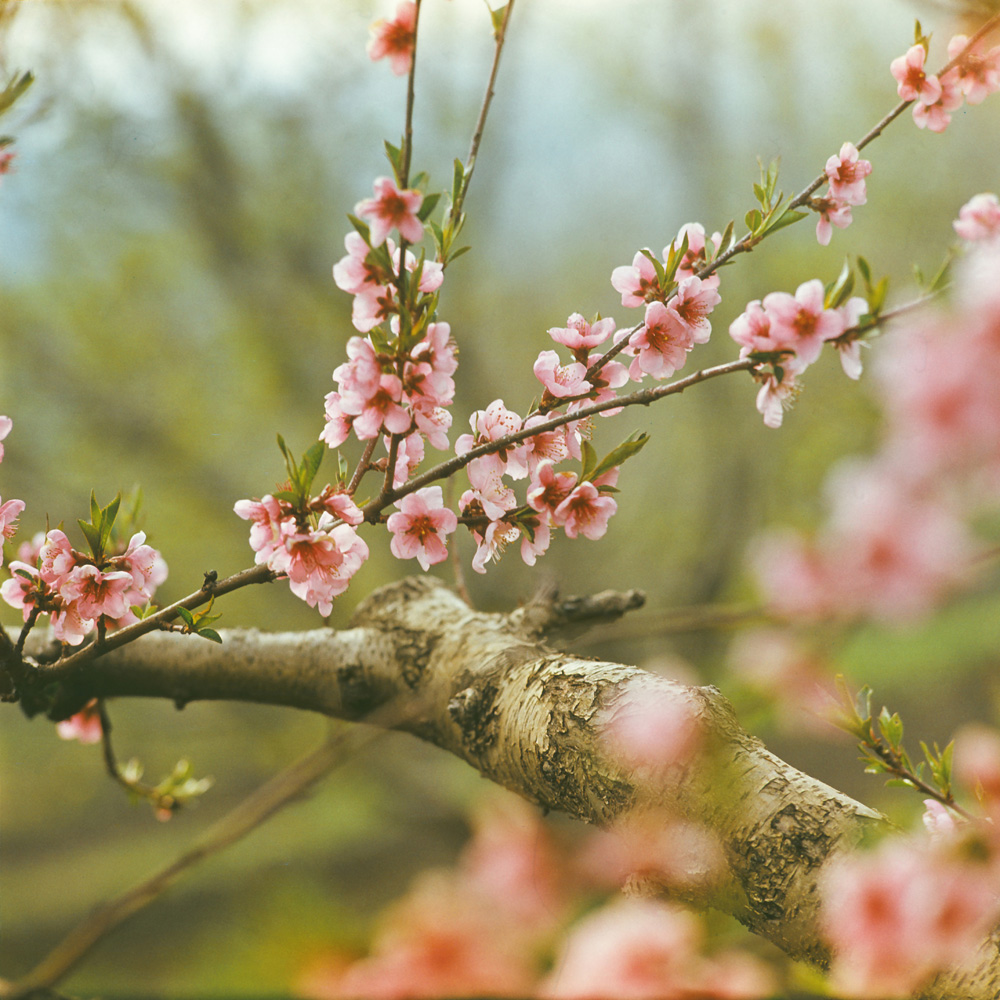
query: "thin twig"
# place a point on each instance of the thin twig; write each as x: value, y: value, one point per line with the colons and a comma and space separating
x: 259, y: 806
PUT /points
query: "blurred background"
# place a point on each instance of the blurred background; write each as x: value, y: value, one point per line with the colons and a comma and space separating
x: 179, y: 195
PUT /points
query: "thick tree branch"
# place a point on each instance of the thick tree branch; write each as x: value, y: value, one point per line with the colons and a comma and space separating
x: 530, y: 718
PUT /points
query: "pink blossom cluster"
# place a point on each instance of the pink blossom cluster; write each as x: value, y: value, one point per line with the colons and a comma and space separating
x: 553, y: 499
x: 486, y: 927
x: 975, y: 76
x: 317, y: 548
x: 676, y: 308
x: 846, y: 179
x: 78, y: 592
x: 897, y: 915
x: 897, y: 542
x: 788, y: 333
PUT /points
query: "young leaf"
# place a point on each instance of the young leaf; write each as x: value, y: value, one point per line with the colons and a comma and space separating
x: 186, y: 616
x: 395, y: 157
x: 428, y: 205
x: 632, y: 445
x: 93, y: 536
x: 497, y: 17
x: 211, y: 634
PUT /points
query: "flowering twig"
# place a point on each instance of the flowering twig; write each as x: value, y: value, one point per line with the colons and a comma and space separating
x: 749, y: 240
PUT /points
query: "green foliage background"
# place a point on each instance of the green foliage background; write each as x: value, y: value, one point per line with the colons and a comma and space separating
x: 182, y: 179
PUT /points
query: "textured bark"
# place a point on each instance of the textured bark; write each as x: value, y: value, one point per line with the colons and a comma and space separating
x: 487, y: 689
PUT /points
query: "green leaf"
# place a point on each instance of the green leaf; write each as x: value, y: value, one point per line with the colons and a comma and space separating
x: 186, y: 616
x: 457, y: 180
x: 753, y: 219
x: 93, y: 536
x: 95, y: 510
x: 428, y: 205
x: 457, y: 253
x: 727, y: 238
x: 892, y: 727
x: 661, y: 275
x: 497, y: 17
x: 839, y: 291
x: 17, y: 86
x: 865, y: 271
x: 395, y: 157
x: 211, y: 634
x: 632, y: 445
x: 311, y: 462
x: 589, y: 459
x: 364, y: 230
x: 783, y: 218
x: 108, y: 515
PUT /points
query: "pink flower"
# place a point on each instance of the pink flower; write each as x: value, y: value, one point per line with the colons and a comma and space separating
x: 96, y: 593
x: 421, y: 526
x: 492, y: 543
x: 752, y: 330
x: 537, y: 543
x: 801, y: 323
x: 57, y: 558
x: 549, y: 445
x: 850, y: 350
x: 267, y: 516
x: 395, y: 39
x: 938, y: 822
x: 146, y: 566
x: 651, y: 727
x: 632, y: 949
x: 831, y: 213
x: 692, y: 305
x: 977, y: 764
x: 85, y: 726
x: 409, y: 454
x: 381, y: 409
x: 696, y: 256
x: 638, y: 283
x: 979, y: 72
x: 775, y: 396
x: 585, y: 511
x: 337, y: 428
x: 9, y: 513
x: 579, y: 335
x: 561, y: 380
x: 493, y: 495
x: 913, y: 83
x: 937, y: 116
x: 847, y: 174
x: 23, y: 587
x: 549, y: 488
x: 6, y: 162
x: 492, y: 424
x: 979, y: 218
x: 353, y: 273
x: 662, y: 344
x: 897, y: 915
x: 320, y: 563
x: 392, y: 209
x: 5, y: 428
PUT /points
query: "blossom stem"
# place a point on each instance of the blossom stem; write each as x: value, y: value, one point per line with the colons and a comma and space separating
x: 477, y: 135
x: 363, y: 466
x: 407, y: 151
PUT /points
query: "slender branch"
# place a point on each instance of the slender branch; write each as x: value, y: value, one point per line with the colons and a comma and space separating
x: 257, y: 574
x: 269, y: 799
x: 477, y: 136
x: 364, y: 465
x: 404, y: 179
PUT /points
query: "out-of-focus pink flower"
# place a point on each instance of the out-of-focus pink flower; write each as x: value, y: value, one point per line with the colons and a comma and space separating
x: 585, y: 511
x: 85, y: 726
x: 560, y: 380
x: 850, y: 350
x: 651, y: 727
x: 442, y: 941
x: 977, y: 764
x: 395, y: 39
x: 420, y: 527
x: 846, y: 174
x: 979, y: 218
x: 633, y: 949
x: 897, y: 915
x: 978, y: 71
x: 653, y: 850
x: 937, y: 116
x: 579, y: 335
x: 938, y: 822
x: 913, y: 83
x: 392, y: 209
x: 6, y: 161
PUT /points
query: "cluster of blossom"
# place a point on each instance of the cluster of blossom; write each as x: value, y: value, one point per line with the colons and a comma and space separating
x: 845, y: 175
x: 916, y: 905
x: 485, y: 927
x: 314, y: 545
x: 788, y: 332
x: 78, y: 592
x: 897, y: 540
x: 975, y: 76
